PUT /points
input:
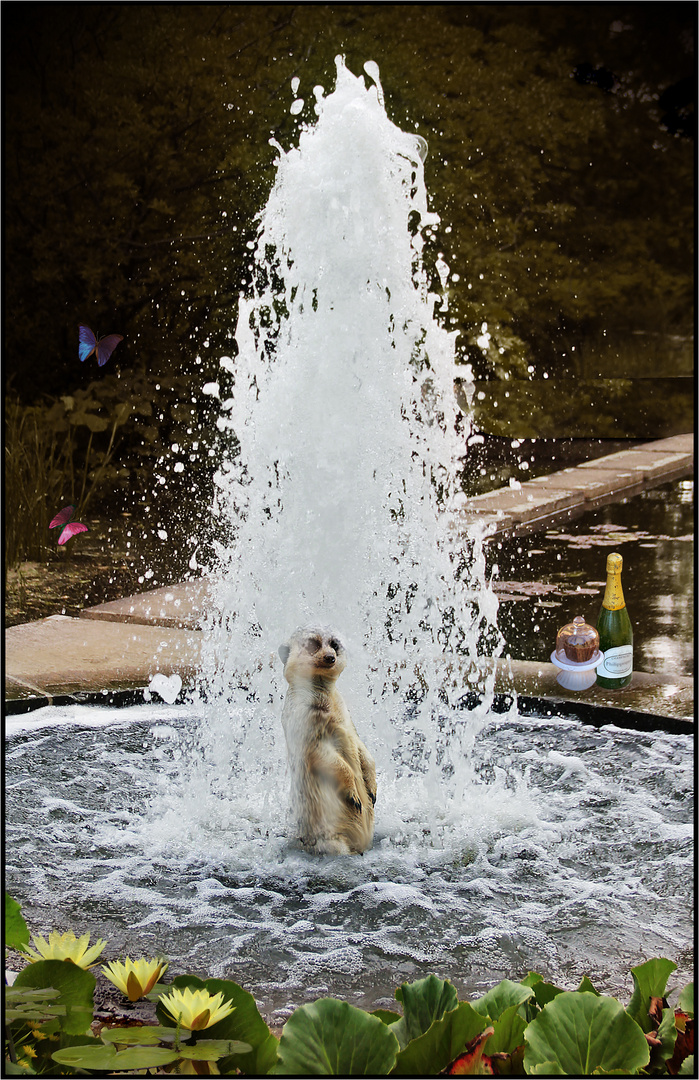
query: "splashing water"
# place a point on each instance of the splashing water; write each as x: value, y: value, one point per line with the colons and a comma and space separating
x: 342, y: 467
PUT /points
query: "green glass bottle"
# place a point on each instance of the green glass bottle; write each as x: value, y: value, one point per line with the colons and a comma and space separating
x: 615, y: 631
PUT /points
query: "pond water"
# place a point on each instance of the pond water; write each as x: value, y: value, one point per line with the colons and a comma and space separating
x: 548, y: 578
x: 567, y: 851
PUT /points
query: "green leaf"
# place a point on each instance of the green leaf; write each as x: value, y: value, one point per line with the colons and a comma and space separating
x: 17, y: 1070
x: 441, y: 1043
x: 424, y: 1001
x: 586, y: 986
x: 108, y: 1059
x: 685, y: 1002
x: 30, y: 1011
x: 501, y: 997
x: 386, y: 1015
x: 508, y: 1032
x: 531, y: 979
x: 244, y: 1024
x: 545, y: 992
x: 31, y: 1004
x: 147, y: 1035
x: 667, y: 1033
x: 95, y: 424
x: 687, y: 1067
x: 650, y: 980
x: 213, y: 1049
x: 16, y: 932
x: 579, y: 1032
x: 122, y: 413
x: 332, y: 1038
x: 76, y: 988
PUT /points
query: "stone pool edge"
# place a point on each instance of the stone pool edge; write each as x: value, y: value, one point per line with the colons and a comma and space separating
x: 650, y: 703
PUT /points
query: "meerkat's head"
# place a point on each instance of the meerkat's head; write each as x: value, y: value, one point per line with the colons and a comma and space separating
x: 313, y: 655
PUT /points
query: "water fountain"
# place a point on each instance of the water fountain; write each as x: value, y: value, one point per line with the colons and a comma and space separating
x: 502, y: 843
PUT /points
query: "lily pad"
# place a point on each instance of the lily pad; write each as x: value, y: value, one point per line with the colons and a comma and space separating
x: 244, y: 1024
x: 214, y: 1049
x: 108, y: 1058
x: 579, y: 1032
x: 23, y: 1004
x: 137, y: 1036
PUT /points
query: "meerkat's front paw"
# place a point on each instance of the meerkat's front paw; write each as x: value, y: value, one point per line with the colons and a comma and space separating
x: 372, y: 796
x: 353, y: 802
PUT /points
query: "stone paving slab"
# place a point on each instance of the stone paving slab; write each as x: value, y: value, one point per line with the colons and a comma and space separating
x: 590, y: 484
x: 651, y: 466
x: 680, y: 444
x: 497, y: 522
x: 181, y: 606
x: 62, y: 655
x: 522, y: 504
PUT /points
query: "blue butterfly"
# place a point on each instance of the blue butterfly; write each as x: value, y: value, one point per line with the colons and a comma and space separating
x: 102, y: 347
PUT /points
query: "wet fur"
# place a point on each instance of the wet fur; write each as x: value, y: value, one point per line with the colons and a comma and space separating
x: 333, y: 777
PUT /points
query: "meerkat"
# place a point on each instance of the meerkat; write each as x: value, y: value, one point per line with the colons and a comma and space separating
x: 333, y: 776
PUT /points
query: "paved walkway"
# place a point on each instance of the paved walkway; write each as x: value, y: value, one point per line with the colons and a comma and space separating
x: 122, y: 644
x: 560, y: 496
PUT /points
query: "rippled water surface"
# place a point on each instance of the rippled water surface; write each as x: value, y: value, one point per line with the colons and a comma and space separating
x: 569, y: 851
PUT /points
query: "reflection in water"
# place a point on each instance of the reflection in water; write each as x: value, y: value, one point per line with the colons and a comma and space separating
x: 545, y: 580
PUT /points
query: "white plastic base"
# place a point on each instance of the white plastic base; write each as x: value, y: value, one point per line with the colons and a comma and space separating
x: 577, y: 676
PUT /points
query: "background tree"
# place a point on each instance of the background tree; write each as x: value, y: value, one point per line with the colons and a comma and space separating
x: 137, y: 156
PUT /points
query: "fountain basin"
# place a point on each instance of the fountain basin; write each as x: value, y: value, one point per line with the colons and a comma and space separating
x: 568, y: 851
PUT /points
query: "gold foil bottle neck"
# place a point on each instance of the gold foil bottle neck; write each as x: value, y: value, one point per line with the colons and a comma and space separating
x: 614, y: 563
x: 613, y: 594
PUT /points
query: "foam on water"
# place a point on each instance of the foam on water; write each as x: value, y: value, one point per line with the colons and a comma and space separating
x: 572, y: 856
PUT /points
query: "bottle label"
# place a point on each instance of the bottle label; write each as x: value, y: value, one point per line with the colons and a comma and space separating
x: 617, y: 662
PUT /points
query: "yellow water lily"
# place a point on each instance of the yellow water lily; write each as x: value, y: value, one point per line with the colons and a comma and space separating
x: 196, y: 1009
x: 65, y: 947
x: 135, y: 978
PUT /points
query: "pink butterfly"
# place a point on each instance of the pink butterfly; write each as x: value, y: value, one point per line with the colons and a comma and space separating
x: 72, y: 528
x: 102, y: 347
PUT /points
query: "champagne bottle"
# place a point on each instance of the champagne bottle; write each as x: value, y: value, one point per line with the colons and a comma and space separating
x: 615, y: 631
